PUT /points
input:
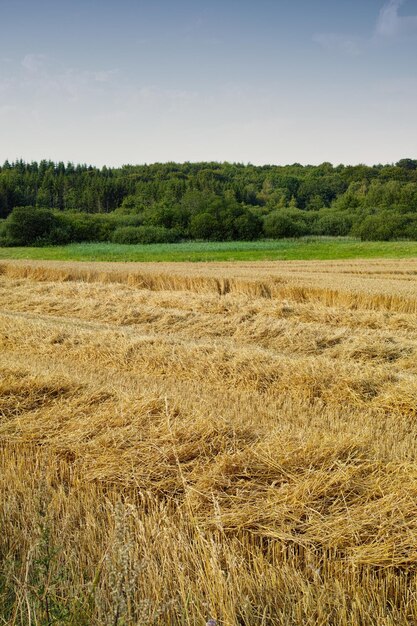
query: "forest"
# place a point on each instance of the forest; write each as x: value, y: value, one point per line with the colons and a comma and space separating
x: 49, y: 203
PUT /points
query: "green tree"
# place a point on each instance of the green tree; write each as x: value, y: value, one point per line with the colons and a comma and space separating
x: 381, y: 227
x: 204, y: 226
x: 247, y: 226
x: 27, y: 225
x: 284, y: 223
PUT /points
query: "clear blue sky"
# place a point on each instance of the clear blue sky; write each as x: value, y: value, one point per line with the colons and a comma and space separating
x: 271, y: 81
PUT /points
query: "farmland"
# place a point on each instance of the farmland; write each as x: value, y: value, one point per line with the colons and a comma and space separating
x: 234, y: 441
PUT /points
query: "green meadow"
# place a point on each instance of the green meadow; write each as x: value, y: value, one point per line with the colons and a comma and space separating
x: 265, y: 250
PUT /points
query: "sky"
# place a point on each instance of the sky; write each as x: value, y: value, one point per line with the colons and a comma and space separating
x: 266, y: 81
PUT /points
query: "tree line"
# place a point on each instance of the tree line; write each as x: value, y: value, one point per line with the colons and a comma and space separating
x: 53, y: 203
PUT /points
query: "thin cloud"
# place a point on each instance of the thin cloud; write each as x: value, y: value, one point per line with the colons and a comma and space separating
x: 389, y: 25
x: 104, y: 76
x: 346, y: 44
x: 33, y: 63
x: 41, y: 76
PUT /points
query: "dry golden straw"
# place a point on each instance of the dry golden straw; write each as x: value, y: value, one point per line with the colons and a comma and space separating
x: 230, y: 444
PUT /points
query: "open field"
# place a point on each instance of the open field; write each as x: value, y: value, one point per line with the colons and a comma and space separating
x: 235, y: 441
x: 304, y: 248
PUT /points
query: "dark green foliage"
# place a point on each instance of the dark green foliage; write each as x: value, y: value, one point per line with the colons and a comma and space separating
x: 382, y: 227
x: 86, y: 227
x: 286, y: 223
x: 204, y: 226
x: 27, y: 226
x: 225, y: 221
x: 212, y: 201
x: 410, y: 228
x: 247, y: 226
x: 144, y: 234
x: 333, y: 223
x: 171, y: 217
x: 407, y: 164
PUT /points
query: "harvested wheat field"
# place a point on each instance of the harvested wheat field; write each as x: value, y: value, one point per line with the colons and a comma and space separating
x: 226, y: 441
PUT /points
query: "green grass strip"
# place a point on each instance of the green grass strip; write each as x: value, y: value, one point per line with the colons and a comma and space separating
x: 264, y: 250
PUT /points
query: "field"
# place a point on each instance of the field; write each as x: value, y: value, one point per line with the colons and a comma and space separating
x: 304, y: 248
x: 234, y: 441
